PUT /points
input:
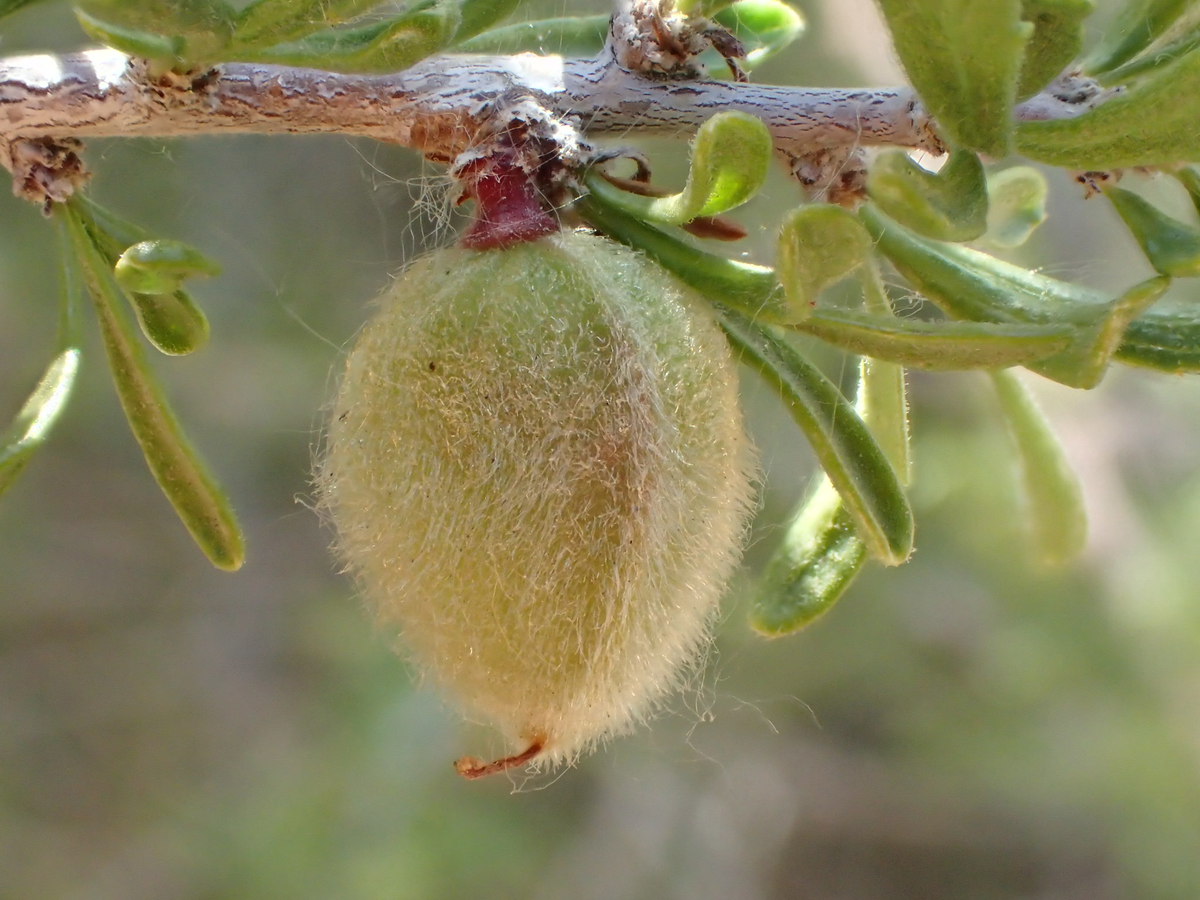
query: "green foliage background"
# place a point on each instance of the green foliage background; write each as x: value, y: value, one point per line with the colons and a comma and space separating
x: 965, y: 726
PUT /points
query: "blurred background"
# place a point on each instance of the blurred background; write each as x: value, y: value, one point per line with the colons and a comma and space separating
x: 969, y: 725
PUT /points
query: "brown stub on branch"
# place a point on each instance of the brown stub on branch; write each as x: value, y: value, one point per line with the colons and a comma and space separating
x: 472, y: 768
x: 508, y: 207
x: 47, y: 171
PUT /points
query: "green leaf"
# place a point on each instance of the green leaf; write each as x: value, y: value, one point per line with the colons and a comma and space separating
x: 822, y: 553
x: 1052, y: 489
x: 731, y: 155
x: 1016, y: 206
x: 1139, y: 25
x: 750, y: 289
x: 161, y: 266
x: 37, y: 416
x: 968, y: 284
x: 1156, y: 122
x: 390, y: 45
x: 8, y: 7
x: 938, y: 346
x: 1056, y: 41
x: 764, y: 28
x: 568, y: 36
x: 819, y: 244
x: 178, y: 470
x: 1161, y: 55
x: 820, y: 556
x: 269, y: 22
x: 173, y: 322
x: 149, y: 273
x: 190, y: 32
x: 844, y: 446
x: 1190, y: 179
x: 950, y: 205
x: 964, y: 58
x: 476, y: 16
x: 1164, y: 340
x: 1171, y: 246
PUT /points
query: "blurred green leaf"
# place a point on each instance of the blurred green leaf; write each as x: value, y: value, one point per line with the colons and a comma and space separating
x: 819, y: 244
x: 29, y: 430
x: 1171, y: 246
x: 1138, y: 25
x: 267, y: 22
x: 568, y: 36
x: 390, y: 45
x: 1165, y: 107
x: 1056, y: 40
x: 950, y: 205
x: 476, y: 16
x: 187, y: 32
x: 183, y: 478
x: 764, y: 27
x: 1016, y: 206
x: 7, y: 7
x: 1190, y: 179
x: 1052, y: 489
x: 964, y: 58
x: 849, y: 454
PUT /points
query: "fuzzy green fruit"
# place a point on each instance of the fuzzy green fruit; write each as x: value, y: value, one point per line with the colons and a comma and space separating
x: 539, y: 475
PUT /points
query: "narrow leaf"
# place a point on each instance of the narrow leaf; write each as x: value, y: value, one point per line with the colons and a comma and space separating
x: 938, y: 346
x: 176, y: 467
x: 1052, y: 490
x: 37, y: 416
x: 750, y: 289
x: 820, y: 556
x: 968, y: 284
x: 1165, y: 107
x: 822, y: 553
x: 950, y: 205
x: 964, y: 58
x: 819, y: 244
x: 850, y: 456
x: 1171, y: 246
x: 1016, y: 206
